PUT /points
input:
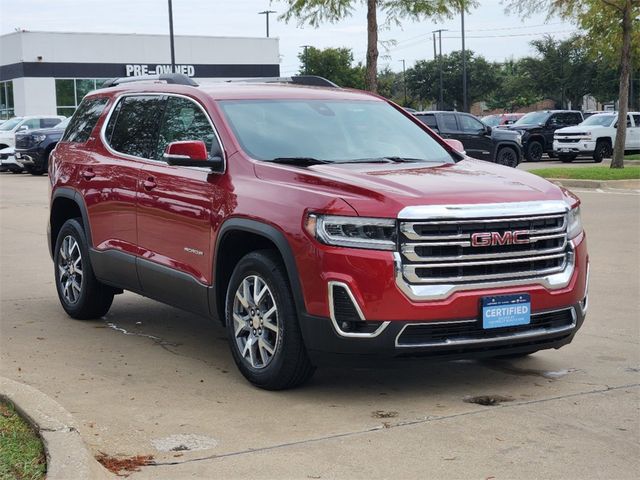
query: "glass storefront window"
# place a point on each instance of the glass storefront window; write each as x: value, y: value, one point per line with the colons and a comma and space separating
x: 6, y: 100
x: 70, y: 91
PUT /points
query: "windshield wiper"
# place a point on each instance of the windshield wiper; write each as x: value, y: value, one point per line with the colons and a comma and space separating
x: 302, y: 161
x: 405, y: 159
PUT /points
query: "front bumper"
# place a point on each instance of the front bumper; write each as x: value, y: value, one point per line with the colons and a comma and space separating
x: 30, y: 158
x: 574, y: 147
x: 446, y: 341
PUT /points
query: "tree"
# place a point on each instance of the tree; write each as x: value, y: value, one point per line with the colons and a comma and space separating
x: 315, y: 12
x: 610, y: 31
x: 517, y: 87
x: 423, y: 79
x: 335, y: 64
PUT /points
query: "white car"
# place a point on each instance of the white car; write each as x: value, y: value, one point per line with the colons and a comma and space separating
x: 8, y: 161
x: 20, y: 124
x: 596, y: 137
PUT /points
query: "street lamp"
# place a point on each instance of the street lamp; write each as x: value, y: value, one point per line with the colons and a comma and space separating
x: 173, y: 51
x: 404, y: 80
x: 439, y: 32
x: 267, y: 13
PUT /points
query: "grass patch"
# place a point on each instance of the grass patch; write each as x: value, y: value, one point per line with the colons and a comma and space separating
x: 590, y: 173
x: 635, y: 156
x: 21, y: 450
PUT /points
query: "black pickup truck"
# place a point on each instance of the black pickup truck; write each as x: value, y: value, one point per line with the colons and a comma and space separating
x: 480, y: 141
x: 33, y: 147
x: 537, y: 129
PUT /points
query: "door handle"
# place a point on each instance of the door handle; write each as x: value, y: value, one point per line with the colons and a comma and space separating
x: 149, y: 183
x: 88, y: 174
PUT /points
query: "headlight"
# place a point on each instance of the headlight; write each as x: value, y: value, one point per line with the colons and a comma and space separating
x: 39, y: 138
x: 574, y: 223
x: 586, y: 136
x: 519, y: 139
x: 356, y: 232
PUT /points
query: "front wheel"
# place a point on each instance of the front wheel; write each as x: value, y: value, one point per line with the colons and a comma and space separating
x: 534, y: 151
x: 82, y: 296
x: 507, y: 156
x: 603, y: 150
x: 262, y: 324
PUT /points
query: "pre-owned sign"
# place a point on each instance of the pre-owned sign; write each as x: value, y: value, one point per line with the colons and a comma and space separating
x: 146, y: 69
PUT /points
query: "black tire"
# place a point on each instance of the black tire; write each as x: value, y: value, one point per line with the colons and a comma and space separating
x: 507, y: 156
x: 534, y: 151
x: 564, y: 158
x: 94, y: 298
x: 16, y: 170
x: 289, y: 365
x: 603, y: 150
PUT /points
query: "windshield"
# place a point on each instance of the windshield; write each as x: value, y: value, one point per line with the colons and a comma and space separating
x: 329, y: 130
x: 600, y: 120
x: 10, y: 124
x: 533, y: 118
x: 491, y: 120
x: 63, y: 124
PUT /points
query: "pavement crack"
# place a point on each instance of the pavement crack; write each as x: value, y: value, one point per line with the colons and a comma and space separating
x: 428, y: 419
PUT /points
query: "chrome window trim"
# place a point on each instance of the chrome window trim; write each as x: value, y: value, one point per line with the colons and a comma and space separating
x: 332, y: 316
x: 113, y: 151
x: 483, y: 210
x: 533, y: 333
x: 431, y: 292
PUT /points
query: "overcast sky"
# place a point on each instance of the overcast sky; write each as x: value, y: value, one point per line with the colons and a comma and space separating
x: 490, y: 32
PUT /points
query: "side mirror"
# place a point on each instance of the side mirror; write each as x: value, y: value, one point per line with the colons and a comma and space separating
x: 22, y: 128
x: 191, y: 153
x: 487, y: 130
x: 456, y: 145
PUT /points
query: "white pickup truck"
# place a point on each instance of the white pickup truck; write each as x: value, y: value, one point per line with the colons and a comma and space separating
x: 595, y: 136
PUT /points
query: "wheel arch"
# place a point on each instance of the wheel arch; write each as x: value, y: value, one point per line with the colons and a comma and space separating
x: 503, y: 144
x: 67, y: 203
x: 236, y: 238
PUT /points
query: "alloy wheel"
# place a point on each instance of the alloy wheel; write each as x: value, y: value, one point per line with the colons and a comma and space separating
x: 255, y: 322
x: 70, y: 269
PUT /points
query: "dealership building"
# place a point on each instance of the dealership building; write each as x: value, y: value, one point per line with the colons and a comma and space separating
x: 49, y: 72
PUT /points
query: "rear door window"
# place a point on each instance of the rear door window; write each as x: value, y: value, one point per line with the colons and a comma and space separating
x: 470, y: 125
x: 449, y: 123
x: 185, y: 120
x: 84, y: 119
x: 49, y: 122
x: 133, y: 126
x: 636, y: 120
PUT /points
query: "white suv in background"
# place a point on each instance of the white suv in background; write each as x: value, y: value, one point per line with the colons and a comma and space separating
x: 9, y: 128
x: 596, y: 136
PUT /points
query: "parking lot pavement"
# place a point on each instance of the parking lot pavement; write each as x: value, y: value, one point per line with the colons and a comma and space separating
x: 150, y: 379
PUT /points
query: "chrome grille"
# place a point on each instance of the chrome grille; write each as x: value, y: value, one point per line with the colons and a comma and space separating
x: 441, y: 251
x: 24, y: 141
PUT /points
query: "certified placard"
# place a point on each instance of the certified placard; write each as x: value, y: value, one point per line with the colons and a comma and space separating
x: 506, y: 310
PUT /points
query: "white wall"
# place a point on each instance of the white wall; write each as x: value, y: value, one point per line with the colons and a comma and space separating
x: 34, y: 96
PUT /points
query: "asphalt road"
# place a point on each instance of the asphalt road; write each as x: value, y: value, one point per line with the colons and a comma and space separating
x: 150, y: 379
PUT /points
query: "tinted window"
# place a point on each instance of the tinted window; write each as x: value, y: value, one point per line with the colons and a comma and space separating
x: 470, y: 125
x: 636, y: 120
x: 184, y: 120
x: 449, y: 123
x: 49, y: 122
x: 133, y: 126
x: 534, y: 118
x: 574, y: 118
x: 84, y: 119
x: 429, y: 120
x: 31, y: 123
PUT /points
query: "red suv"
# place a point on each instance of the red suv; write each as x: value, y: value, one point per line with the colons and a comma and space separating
x: 313, y: 222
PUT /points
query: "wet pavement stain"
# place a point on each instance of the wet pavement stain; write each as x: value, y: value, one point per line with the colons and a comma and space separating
x: 513, y: 370
x: 487, y: 400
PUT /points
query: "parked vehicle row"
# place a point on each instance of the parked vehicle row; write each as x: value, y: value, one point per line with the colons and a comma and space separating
x: 317, y: 224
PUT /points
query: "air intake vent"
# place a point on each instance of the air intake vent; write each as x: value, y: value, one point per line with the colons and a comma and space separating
x: 343, y: 308
x: 346, y: 315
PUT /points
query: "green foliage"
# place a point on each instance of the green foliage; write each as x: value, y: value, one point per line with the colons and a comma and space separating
x: 590, y: 173
x: 335, y: 64
x: 21, y: 450
x: 516, y: 86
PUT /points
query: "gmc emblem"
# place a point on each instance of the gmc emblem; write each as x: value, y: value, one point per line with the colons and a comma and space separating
x: 488, y: 239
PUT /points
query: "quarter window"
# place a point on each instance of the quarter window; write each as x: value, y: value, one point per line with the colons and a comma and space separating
x: 81, y: 124
x: 133, y: 126
x: 184, y: 120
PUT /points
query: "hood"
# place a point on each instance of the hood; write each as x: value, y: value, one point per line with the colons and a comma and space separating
x: 524, y: 126
x: 578, y: 129
x: 504, y: 134
x: 382, y: 190
x: 41, y: 131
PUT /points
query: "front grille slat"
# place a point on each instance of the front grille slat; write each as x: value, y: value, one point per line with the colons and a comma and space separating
x: 443, y: 250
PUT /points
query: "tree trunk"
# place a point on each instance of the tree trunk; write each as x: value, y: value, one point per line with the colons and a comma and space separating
x: 623, y: 96
x: 371, y: 76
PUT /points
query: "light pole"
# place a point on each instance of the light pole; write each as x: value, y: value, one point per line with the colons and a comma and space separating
x: 465, y: 106
x: 439, y: 32
x: 173, y: 51
x: 267, y: 13
x: 404, y: 80
x: 304, y: 56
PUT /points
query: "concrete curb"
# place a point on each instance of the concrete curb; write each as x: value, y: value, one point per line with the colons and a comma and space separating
x: 67, y: 456
x: 576, y: 183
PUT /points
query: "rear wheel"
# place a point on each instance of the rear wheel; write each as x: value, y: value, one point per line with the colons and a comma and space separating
x: 603, y: 150
x: 262, y: 324
x: 82, y: 296
x: 534, y: 151
x: 507, y: 156
x: 564, y: 158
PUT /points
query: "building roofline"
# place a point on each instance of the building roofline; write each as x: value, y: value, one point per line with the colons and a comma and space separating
x: 50, y: 32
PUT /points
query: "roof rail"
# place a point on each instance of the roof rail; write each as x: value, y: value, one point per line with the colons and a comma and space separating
x: 308, y: 80
x: 174, y: 78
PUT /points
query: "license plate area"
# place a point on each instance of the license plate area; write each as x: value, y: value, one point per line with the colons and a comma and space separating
x: 506, y: 310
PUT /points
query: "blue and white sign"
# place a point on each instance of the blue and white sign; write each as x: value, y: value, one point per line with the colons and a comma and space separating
x: 506, y: 310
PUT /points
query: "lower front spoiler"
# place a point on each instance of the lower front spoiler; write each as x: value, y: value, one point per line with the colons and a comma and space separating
x: 326, y: 347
